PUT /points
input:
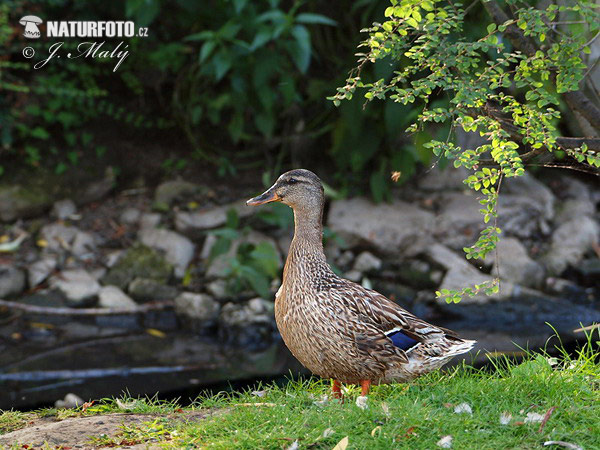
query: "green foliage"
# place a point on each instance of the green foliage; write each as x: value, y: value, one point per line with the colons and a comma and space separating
x: 479, y: 84
x: 251, y: 58
x: 250, y: 266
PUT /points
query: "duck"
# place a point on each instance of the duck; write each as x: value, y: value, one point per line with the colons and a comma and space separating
x: 338, y: 329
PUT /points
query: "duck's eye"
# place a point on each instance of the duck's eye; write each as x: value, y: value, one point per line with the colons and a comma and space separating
x: 292, y: 181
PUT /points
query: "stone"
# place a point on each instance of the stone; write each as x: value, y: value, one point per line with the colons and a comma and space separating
x: 12, y: 281
x: 367, y: 262
x: 70, y: 401
x: 346, y: 258
x: 249, y: 324
x: 77, y: 286
x: 21, y: 202
x: 130, y: 216
x: 391, y: 229
x: 353, y: 275
x: 460, y: 274
x: 219, y: 266
x: 573, y: 208
x: 40, y: 270
x: 139, y: 261
x: 537, y: 193
x: 176, y: 190
x: 115, y: 298
x: 178, y: 249
x: 148, y: 290
x: 58, y: 236
x: 199, y: 307
x: 515, y: 264
x: 63, y: 209
x: 150, y: 220
x: 443, y: 180
x: 112, y: 258
x: 96, y: 190
x: 189, y: 222
x: 84, y: 244
x: 217, y: 288
x: 570, y: 242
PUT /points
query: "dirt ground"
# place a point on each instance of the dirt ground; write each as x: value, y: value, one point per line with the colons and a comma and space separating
x: 76, y: 432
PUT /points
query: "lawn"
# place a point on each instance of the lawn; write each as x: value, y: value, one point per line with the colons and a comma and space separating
x: 505, y: 405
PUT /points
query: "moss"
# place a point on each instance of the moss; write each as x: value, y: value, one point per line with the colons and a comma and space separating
x: 139, y: 262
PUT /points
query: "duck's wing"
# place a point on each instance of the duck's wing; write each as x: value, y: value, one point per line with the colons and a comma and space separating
x: 380, y: 327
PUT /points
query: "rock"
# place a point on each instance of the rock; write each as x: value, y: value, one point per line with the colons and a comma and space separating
x: 58, y: 236
x: 139, y: 261
x: 200, y: 308
x: 77, y: 285
x: 84, y: 244
x: 12, y: 281
x: 148, y: 290
x: 353, y: 275
x: 570, y: 242
x: 70, y: 401
x: 96, y: 189
x: 417, y: 274
x: 535, y: 192
x: 345, y: 259
x: 63, y: 209
x: 113, y: 258
x: 188, y: 222
x: 515, y: 264
x: 217, y: 288
x: 21, y: 202
x: 522, y: 216
x: 115, y: 298
x: 367, y: 262
x: 460, y: 274
x: 130, y: 216
x: 573, y: 208
x: 150, y: 220
x: 392, y: 229
x: 442, y: 180
x: 219, y: 266
x: 40, y: 270
x: 248, y: 325
x: 573, y: 188
x: 176, y: 190
x: 178, y: 249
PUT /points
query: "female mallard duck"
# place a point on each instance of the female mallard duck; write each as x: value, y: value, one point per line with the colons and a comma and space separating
x: 339, y: 329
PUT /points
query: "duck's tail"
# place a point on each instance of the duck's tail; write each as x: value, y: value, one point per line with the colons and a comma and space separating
x: 457, y: 346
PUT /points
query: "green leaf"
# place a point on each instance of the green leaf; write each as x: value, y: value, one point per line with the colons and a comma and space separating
x: 311, y: 18
x: 300, y: 49
x: 491, y: 28
x: 206, y: 50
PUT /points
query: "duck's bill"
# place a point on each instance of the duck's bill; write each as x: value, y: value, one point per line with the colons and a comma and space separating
x: 266, y: 197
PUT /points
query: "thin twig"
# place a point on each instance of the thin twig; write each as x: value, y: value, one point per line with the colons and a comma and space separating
x: 50, y: 311
x: 545, y: 419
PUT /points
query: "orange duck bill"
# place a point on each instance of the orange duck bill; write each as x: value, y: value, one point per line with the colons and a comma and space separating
x: 266, y: 197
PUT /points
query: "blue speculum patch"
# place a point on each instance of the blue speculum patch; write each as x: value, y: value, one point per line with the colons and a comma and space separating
x: 402, y: 341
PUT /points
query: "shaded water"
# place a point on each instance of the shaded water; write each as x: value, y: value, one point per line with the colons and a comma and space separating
x: 44, y: 358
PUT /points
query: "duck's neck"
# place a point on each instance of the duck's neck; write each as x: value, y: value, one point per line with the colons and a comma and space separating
x: 308, y: 232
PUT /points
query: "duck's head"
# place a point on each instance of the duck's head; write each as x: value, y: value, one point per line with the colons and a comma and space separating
x: 299, y: 188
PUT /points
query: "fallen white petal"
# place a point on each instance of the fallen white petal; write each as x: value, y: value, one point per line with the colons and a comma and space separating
x: 445, y: 442
x: 328, y: 432
x: 505, y: 418
x: 463, y: 408
x: 563, y: 444
x: 259, y: 393
x: 294, y: 446
x: 361, y: 402
x: 386, y: 409
x: 324, y: 400
x: 534, y: 417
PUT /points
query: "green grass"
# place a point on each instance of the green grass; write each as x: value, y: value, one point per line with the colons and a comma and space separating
x: 413, y: 416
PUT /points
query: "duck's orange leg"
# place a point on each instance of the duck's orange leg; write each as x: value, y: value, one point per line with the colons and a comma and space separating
x: 365, y: 386
x: 336, y: 389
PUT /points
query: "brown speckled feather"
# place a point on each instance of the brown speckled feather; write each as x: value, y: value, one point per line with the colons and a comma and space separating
x: 337, y: 328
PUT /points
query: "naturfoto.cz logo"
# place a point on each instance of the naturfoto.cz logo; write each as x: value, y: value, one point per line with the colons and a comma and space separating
x: 82, y: 29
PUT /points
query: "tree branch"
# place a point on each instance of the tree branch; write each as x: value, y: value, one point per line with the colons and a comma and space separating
x: 50, y: 311
x: 576, y: 100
